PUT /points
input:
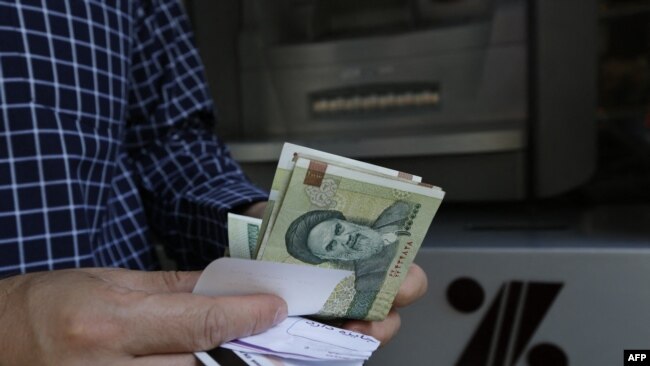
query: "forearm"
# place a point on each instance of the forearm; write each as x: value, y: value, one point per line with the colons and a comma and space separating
x: 4, y: 297
x: 7, y: 286
x: 5, y: 290
x: 15, y: 331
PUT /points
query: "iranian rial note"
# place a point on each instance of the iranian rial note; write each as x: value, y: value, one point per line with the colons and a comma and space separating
x: 242, y: 235
x: 336, y: 217
x: 283, y: 173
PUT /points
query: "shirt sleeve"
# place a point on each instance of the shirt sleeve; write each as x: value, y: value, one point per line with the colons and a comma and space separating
x: 188, y: 179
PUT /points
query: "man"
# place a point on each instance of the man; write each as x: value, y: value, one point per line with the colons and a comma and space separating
x: 105, y: 141
x: 326, y: 235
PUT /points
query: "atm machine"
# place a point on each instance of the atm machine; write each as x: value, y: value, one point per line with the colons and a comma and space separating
x: 491, y: 99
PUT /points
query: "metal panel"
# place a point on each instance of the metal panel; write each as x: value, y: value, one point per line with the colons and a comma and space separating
x: 564, y: 94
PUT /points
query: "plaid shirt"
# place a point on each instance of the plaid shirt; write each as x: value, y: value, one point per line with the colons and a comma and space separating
x: 105, y: 139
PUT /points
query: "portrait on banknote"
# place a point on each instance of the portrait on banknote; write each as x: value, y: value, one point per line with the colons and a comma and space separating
x: 341, y: 217
x: 327, y: 235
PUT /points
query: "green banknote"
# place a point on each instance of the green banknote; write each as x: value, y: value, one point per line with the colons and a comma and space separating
x: 283, y: 172
x: 242, y: 235
x: 340, y: 217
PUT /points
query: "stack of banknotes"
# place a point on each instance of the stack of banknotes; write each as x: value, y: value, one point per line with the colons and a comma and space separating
x: 360, y: 224
x: 333, y: 212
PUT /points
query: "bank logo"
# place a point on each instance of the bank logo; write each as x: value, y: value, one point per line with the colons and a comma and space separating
x: 636, y: 357
x: 505, y: 331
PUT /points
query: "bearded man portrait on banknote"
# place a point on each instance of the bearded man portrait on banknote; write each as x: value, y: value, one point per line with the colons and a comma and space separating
x: 327, y: 235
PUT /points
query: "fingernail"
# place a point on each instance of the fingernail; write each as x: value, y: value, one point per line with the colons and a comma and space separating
x: 280, y: 315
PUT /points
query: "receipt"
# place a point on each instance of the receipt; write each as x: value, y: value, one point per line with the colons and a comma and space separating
x: 326, y: 334
x: 302, y: 338
x: 298, y: 341
x: 304, y: 288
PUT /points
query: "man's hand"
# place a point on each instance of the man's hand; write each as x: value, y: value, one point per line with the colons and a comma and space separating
x: 121, y: 317
x: 413, y: 288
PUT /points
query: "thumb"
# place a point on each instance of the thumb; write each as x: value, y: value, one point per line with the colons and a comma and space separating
x: 180, y: 322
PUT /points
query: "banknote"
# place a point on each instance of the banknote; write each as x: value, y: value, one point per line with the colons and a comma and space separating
x: 242, y: 235
x: 336, y: 216
x: 283, y: 173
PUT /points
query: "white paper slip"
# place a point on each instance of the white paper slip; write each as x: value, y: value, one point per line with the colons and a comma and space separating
x: 205, y: 358
x: 326, y: 334
x: 304, y: 288
x: 256, y: 350
x: 289, y: 151
x: 299, y: 338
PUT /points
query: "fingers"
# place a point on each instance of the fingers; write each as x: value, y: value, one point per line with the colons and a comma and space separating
x: 177, y: 322
x: 414, y: 287
x: 384, y: 330
x: 161, y: 281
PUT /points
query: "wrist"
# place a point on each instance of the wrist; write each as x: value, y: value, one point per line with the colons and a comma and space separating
x: 255, y: 209
x: 8, y: 331
x: 6, y: 287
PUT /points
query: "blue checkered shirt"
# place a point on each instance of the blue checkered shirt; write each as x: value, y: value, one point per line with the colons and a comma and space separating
x: 105, y: 139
